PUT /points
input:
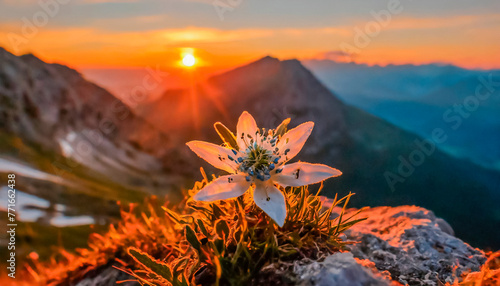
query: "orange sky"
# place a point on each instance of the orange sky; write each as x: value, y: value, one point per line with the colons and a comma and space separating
x: 470, y: 41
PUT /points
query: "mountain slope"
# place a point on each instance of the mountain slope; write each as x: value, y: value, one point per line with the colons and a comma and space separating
x: 54, y: 106
x: 363, y: 146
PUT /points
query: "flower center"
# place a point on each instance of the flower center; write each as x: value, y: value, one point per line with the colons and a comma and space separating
x: 258, y: 162
x: 261, y: 156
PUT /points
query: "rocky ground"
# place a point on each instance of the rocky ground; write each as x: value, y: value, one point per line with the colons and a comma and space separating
x: 405, y: 245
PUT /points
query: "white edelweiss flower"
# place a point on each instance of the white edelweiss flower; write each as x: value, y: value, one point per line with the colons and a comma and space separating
x: 260, y: 161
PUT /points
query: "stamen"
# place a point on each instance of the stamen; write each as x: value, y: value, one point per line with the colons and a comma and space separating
x: 258, y: 161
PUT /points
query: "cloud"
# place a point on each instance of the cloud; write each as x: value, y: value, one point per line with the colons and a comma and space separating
x: 198, y: 35
x: 337, y: 56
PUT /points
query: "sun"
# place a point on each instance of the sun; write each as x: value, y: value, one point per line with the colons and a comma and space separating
x: 188, y: 60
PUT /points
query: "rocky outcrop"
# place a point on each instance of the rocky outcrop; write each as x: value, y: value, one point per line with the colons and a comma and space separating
x: 412, y: 245
x: 338, y: 269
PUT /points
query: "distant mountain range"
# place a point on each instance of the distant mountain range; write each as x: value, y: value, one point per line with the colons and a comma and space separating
x: 422, y: 98
x: 53, y: 106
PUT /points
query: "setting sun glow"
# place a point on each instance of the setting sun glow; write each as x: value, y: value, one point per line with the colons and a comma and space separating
x: 188, y: 60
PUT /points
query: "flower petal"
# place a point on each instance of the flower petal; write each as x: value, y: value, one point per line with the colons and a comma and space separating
x: 246, y: 126
x: 222, y: 188
x: 294, y: 140
x: 216, y: 155
x: 271, y: 201
x: 301, y: 174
